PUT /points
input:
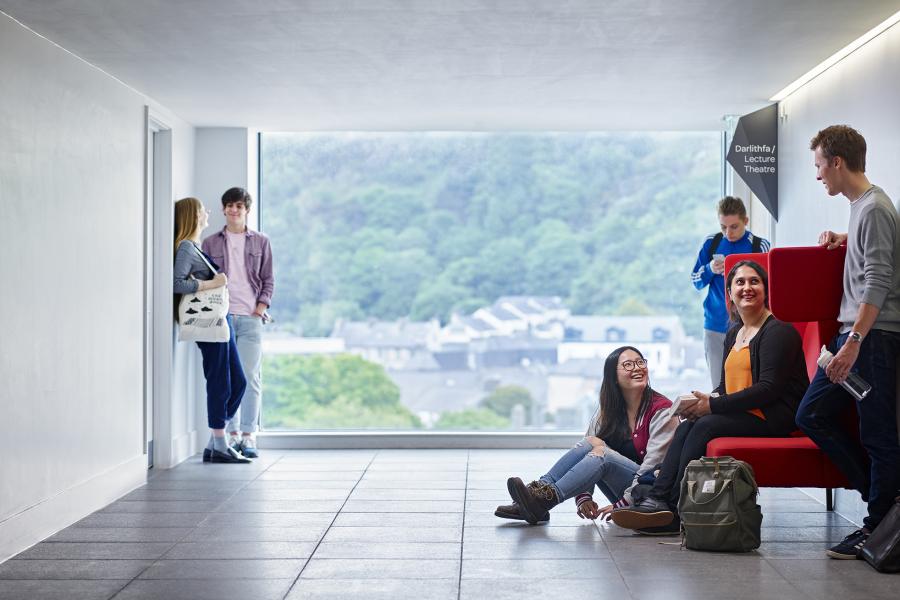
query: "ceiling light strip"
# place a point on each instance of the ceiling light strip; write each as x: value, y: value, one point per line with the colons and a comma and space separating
x: 836, y: 57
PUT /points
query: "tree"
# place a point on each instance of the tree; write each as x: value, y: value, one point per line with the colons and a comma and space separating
x: 502, y: 400
x: 436, y: 300
x: 331, y: 392
x: 553, y: 263
x: 472, y: 418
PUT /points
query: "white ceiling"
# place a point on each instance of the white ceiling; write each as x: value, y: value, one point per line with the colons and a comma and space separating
x: 454, y: 64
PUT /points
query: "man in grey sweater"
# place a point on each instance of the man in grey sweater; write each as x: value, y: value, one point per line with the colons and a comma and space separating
x: 869, y: 339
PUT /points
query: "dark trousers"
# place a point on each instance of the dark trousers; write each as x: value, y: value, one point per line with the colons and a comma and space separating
x: 225, y: 381
x: 689, y: 443
x: 872, y: 464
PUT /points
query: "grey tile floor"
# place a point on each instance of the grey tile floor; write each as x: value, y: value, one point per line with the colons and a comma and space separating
x: 407, y: 524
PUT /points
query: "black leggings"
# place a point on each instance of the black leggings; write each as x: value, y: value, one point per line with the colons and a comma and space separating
x: 689, y: 443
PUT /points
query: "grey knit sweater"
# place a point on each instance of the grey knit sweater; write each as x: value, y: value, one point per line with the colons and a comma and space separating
x: 872, y: 266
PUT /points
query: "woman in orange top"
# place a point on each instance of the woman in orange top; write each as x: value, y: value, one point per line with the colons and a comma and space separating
x: 762, y: 382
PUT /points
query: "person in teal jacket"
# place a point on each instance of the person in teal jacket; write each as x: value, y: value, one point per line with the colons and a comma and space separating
x: 709, y: 270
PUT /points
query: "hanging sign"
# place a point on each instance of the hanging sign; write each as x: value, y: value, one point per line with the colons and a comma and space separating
x: 753, y: 154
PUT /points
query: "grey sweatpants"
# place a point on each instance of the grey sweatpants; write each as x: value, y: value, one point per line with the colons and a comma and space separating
x: 714, y: 346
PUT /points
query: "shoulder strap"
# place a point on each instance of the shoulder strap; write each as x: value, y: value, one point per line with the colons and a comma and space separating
x: 717, y: 239
x: 206, y: 260
x: 757, y: 244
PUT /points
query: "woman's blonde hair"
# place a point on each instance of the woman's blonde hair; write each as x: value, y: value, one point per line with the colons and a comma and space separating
x: 187, y: 218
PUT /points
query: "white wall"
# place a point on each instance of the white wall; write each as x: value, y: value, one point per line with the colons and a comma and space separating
x: 72, y: 197
x: 861, y: 91
x: 224, y: 157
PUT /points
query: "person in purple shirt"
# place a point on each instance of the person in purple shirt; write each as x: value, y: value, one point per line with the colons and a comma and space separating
x: 246, y: 258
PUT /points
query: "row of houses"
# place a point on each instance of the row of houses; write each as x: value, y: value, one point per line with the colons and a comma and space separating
x: 533, y: 342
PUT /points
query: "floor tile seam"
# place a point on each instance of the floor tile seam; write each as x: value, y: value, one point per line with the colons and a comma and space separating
x: 774, y: 566
x: 462, y: 537
x: 194, y: 527
x: 615, y: 562
x: 330, y: 525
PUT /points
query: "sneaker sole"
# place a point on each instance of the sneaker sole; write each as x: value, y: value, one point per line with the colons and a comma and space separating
x: 658, y: 533
x: 839, y: 556
x: 630, y: 519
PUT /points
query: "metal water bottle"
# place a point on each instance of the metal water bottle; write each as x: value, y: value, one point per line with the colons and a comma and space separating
x: 856, y: 385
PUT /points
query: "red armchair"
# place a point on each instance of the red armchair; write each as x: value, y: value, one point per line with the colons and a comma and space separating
x: 805, y: 288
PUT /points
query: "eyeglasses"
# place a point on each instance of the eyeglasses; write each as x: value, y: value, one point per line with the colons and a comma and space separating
x: 631, y: 365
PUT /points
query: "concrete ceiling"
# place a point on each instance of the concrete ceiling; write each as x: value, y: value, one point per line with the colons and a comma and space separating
x: 454, y: 64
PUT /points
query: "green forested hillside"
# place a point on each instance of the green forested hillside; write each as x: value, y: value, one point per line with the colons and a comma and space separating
x: 419, y: 225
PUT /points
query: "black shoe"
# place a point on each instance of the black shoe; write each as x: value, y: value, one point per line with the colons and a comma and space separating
x: 207, y: 454
x: 225, y: 457
x: 534, y: 500
x: 511, y: 511
x: 673, y: 528
x: 648, y: 513
x: 850, y: 546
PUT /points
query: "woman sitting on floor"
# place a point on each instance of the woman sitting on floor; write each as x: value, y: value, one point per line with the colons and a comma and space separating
x: 626, y: 440
x: 763, y: 379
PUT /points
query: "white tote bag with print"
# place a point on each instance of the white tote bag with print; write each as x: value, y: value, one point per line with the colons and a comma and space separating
x: 203, y: 316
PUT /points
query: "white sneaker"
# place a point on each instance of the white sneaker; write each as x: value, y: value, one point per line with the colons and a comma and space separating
x: 248, y: 447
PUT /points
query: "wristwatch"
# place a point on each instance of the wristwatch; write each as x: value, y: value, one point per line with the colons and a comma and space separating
x: 855, y: 336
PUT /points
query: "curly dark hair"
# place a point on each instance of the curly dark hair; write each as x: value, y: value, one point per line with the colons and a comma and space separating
x: 843, y: 141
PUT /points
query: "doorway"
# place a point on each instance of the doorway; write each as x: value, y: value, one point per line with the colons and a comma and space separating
x: 157, y: 211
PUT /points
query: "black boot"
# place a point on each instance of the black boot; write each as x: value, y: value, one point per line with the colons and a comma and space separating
x: 511, y: 511
x: 534, y: 500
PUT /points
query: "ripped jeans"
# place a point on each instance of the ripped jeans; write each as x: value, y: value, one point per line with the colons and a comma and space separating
x: 579, y: 469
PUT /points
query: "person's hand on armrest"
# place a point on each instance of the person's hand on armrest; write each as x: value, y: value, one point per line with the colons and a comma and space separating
x: 832, y: 240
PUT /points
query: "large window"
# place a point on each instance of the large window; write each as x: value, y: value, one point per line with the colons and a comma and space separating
x: 477, y: 280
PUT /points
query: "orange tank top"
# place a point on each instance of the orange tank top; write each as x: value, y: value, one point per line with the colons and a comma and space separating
x: 738, y: 375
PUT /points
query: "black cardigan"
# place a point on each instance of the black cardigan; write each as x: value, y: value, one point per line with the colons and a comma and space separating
x: 779, y: 376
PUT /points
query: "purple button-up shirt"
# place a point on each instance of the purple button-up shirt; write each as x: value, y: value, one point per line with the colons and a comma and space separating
x: 257, y: 258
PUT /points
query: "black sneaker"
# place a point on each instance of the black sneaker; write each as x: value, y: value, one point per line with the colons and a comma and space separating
x: 850, y: 546
x: 646, y: 514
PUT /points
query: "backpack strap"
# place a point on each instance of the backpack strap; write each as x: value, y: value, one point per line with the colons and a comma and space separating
x: 757, y: 244
x: 717, y: 239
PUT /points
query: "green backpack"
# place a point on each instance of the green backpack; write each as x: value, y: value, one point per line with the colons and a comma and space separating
x: 718, y: 506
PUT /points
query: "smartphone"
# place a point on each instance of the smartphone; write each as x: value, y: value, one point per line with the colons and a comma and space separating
x: 719, y: 258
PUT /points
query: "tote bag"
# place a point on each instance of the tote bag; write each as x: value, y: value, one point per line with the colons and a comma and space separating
x: 882, y: 549
x: 203, y: 316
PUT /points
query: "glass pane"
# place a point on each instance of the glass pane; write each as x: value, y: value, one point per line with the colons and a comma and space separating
x: 476, y: 281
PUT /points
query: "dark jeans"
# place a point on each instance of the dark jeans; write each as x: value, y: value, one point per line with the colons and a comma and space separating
x: 689, y: 443
x: 875, y: 472
x: 225, y: 381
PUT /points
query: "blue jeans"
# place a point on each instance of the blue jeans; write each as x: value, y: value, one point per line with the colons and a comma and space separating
x: 578, y: 470
x: 248, y: 338
x: 225, y: 381
x: 875, y: 471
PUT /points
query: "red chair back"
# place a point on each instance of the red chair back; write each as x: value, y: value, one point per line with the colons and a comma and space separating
x: 805, y: 289
x: 805, y: 286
